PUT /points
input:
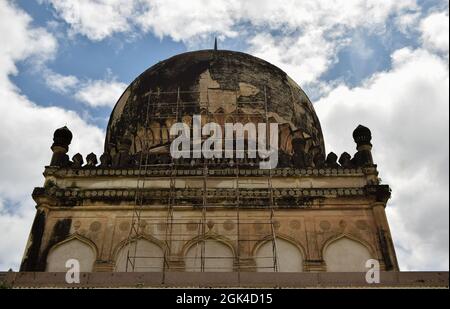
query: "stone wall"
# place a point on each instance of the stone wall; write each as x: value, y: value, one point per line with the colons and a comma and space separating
x: 328, y: 218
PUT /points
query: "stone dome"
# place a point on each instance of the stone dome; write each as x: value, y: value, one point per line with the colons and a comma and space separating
x: 225, y: 86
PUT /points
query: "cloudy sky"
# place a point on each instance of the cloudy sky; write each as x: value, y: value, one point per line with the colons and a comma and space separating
x: 381, y: 63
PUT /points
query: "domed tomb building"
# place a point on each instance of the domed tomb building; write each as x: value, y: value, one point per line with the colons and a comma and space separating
x: 137, y: 208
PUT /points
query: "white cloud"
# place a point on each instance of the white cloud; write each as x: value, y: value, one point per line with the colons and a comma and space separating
x: 96, y: 19
x: 14, y: 228
x: 94, y: 93
x: 20, y: 42
x: 407, y: 110
x: 26, y: 131
x: 313, y: 31
x: 302, y: 64
x: 100, y: 92
x: 435, y: 32
x: 60, y: 83
x: 184, y: 20
x: 407, y: 22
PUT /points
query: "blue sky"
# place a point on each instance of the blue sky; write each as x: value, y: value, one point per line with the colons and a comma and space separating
x: 126, y: 55
x: 380, y: 63
x: 90, y: 60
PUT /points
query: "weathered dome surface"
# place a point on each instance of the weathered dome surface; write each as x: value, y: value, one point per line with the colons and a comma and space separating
x: 225, y: 85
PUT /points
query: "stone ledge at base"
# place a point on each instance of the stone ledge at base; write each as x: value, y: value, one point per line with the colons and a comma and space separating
x: 224, y: 280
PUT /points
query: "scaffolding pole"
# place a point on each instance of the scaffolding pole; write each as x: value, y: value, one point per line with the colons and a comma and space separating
x: 171, y: 202
x: 133, y: 235
x: 238, y: 217
x: 270, y: 189
x: 172, y: 239
x: 205, y: 195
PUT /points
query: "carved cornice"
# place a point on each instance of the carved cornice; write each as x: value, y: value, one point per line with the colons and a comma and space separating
x: 219, y: 197
x: 382, y: 193
x: 167, y: 172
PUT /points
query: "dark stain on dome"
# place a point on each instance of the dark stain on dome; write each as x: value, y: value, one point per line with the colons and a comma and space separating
x: 229, y: 78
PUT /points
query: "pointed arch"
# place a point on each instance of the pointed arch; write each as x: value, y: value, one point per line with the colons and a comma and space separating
x: 218, y: 254
x: 149, y: 254
x: 272, y: 119
x: 334, y: 238
x: 285, y: 137
x: 229, y: 119
x: 155, y: 131
x: 142, y: 137
x: 346, y: 253
x: 290, y: 254
x: 165, y: 135
x: 74, y: 247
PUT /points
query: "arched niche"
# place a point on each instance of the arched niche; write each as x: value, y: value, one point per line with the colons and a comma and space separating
x: 218, y: 257
x: 289, y: 257
x: 149, y: 257
x: 74, y: 248
x: 346, y: 255
x: 165, y: 136
x: 143, y: 138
